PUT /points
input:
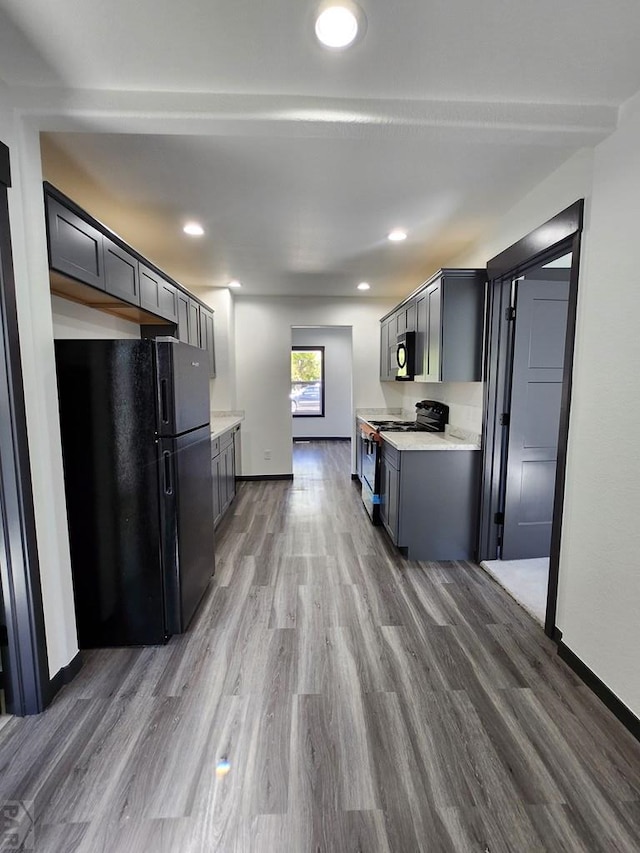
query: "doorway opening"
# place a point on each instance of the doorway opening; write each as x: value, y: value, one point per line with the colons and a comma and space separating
x: 321, y: 383
x: 531, y: 326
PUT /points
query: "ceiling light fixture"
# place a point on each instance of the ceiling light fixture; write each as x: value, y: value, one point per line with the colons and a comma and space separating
x: 235, y: 283
x: 364, y: 285
x: 193, y: 229
x: 397, y: 235
x: 338, y: 23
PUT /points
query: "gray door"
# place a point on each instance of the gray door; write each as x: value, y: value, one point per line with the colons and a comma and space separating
x: 536, y: 392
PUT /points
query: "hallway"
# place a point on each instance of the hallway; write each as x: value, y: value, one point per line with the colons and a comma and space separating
x: 331, y: 696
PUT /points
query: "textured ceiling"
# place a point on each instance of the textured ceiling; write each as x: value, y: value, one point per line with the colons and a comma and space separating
x: 298, y: 161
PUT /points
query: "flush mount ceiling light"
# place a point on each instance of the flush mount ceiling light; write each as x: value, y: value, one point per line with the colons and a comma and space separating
x: 397, y: 235
x: 338, y: 22
x: 193, y: 229
x: 364, y: 285
x: 235, y: 283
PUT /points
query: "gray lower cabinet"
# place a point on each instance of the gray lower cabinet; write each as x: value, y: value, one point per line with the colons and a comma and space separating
x: 389, y: 490
x: 429, y: 501
x: 223, y: 470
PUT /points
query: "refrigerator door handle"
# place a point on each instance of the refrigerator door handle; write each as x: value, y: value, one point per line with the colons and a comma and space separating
x: 168, y: 473
x: 164, y: 401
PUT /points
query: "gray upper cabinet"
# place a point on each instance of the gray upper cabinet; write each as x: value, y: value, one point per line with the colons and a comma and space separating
x: 388, y: 341
x: 158, y: 295
x: 194, y: 323
x: 183, y: 317
x: 121, y: 273
x: 75, y: 246
x: 207, y: 338
x: 85, y: 255
x: 447, y: 315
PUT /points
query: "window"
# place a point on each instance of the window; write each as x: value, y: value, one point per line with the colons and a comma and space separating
x: 307, y: 382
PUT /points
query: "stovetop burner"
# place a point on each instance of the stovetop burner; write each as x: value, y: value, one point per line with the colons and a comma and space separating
x: 431, y: 416
x: 387, y: 425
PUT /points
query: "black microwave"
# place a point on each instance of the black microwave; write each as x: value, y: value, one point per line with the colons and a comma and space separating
x: 406, y: 356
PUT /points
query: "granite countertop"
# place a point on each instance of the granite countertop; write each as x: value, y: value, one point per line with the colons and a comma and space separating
x: 454, y: 438
x: 222, y: 422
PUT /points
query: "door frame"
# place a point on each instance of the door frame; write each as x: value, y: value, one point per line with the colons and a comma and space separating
x: 27, y: 686
x: 561, y: 234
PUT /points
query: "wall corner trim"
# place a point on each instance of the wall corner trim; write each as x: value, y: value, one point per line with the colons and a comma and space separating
x: 64, y: 676
x: 615, y: 705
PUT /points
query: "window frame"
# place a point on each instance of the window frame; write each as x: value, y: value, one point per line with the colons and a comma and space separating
x: 320, y: 349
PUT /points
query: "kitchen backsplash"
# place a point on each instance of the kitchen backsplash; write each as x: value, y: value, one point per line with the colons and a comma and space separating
x: 463, y: 398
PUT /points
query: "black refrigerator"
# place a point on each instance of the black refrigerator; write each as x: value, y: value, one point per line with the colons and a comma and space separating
x: 136, y: 449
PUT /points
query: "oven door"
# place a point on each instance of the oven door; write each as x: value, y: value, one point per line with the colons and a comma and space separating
x: 371, y: 477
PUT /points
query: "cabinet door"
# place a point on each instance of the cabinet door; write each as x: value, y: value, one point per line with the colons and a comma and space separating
x: 121, y: 273
x: 422, y: 331
x: 384, y: 349
x: 401, y: 321
x: 183, y: 316
x: 194, y: 323
x: 384, y: 492
x: 206, y: 338
x: 231, y: 473
x: 434, y: 333
x: 215, y: 476
x: 388, y: 341
x: 211, y: 345
x: 389, y: 497
x: 411, y: 316
x: 75, y: 247
x: 157, y: 295
x: 393, y: 491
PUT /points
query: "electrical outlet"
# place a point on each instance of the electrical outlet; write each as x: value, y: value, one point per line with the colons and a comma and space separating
x: 267, y: 454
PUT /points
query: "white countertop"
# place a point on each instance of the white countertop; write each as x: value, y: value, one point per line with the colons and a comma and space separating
x: 222, y: 422
x: 453, y: 438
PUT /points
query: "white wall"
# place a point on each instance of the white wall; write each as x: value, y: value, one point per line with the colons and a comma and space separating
x: 463, y: 398
x: 338, y: 407
x: 263, y: 341
x: 599, y: 582
x: 599, y: 594
x: 72, y: 320
x: 31, y: 270
x: 564, y: 186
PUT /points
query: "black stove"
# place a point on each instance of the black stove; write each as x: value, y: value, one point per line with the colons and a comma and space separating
x: 394, y: 426
x: 431, y: 416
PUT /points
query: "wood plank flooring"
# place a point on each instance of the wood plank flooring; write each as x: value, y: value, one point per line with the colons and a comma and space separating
x: 363, y: 702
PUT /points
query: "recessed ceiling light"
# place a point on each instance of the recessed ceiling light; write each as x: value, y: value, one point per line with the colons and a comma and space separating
x: 235, y: 283
x: 397, y: 235
x: 194, y: 229
x: 337, y: 24
x: 364, y: 285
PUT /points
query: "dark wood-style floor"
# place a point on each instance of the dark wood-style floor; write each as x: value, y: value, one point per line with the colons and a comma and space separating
x: 363, y: 702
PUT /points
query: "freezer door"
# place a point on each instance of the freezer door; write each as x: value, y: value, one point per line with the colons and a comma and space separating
x: 186, y: 500
x: 182, y: 387
x: 106, y: 394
